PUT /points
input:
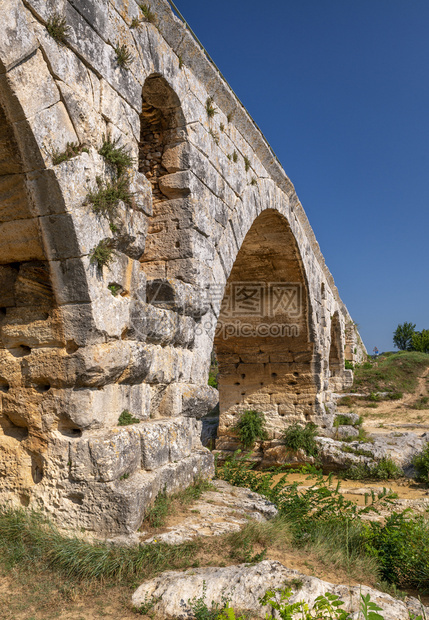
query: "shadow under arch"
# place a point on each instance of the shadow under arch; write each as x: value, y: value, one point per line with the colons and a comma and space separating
x: 263, y: 341
x: 336, y: 354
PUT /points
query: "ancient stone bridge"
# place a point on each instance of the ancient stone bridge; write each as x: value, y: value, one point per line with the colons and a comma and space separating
x: 144, y: 221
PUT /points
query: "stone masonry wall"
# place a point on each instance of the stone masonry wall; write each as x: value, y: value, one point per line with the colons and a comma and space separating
x: 81, y: 342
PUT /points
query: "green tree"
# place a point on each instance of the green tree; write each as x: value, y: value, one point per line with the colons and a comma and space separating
x: 420, y: 341
x: 403, y: 335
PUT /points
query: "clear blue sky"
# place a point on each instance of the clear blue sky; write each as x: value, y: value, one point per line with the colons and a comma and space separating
x: 340, y: 88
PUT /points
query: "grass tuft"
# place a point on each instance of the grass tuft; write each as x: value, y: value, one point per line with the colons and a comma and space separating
x: 73, y: 149
x: 124, y: 57
x: 102, y: 255
x: 210, y: 109
x: 27, y: 539
x: 57, y: 27
x: 148, y: 13
x: 246, y: 163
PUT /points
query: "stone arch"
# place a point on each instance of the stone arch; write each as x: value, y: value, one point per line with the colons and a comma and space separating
x: 263, y: 340
x: 29, y: 318
x: 336, y: 353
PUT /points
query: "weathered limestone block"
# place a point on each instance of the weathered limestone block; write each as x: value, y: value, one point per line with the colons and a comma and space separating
x: 178, y: 296
x: 33, y: 87
x: 18, y: 40
x: 96, y: 408
x: 88, y: 123
x: 106, y: 457
x: 181, y: 436
x: 244, y: 585
x: 142, y: 190
x: 14, y: 198
x: 198, y: 401
x: 102, y: 363
x: 20, y: 240
x: 30, y: 328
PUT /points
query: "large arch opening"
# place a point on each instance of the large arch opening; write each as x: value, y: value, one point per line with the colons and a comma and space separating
x: 262, y: 342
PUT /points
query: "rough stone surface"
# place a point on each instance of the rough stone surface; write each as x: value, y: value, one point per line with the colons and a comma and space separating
x: 221, y: 511
x: 84, y: 339
x: 245, y: 584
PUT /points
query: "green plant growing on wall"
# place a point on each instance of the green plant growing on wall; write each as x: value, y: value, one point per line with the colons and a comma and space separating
x: 116, y: 155
x: 105, y: 199
x: 135, y: 23
x: 229, y: 116
x: 210, y: 109
x: 148, y: 13
x: 73, y: 149
x: 126, y: 419
x: 181, y: 63
x: 235, y: 157
x: 124, y: 58
x: 348, y: 365
x: 253, y: 181
x: 246, y: 163
x: 250, y: 427
x: 215, y: 136
x: 222, y: 127
x: 102, y: 255
x: 114, y: 288
x: 57, y: 27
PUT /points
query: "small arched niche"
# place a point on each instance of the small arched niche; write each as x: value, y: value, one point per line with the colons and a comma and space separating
x: 262, y: 340
x: 161, y: 130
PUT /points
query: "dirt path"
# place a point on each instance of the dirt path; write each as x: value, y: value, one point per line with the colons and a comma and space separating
x: 387, y: 415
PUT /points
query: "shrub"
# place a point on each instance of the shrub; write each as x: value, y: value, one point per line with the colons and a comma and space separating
x: 297, y: 437
x: 118, y: 156
x: 421, y: 403
x: 401, y: 546
x: 105, y: 200
x: 348, y: 365
x: 385, y: 469
x: 420, y: 341
x: 126, y: 418
x: 250, y: 427
x: 421, y: 465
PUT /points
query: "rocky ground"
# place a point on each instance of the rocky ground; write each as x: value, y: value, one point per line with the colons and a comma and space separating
x: 394, y: 429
